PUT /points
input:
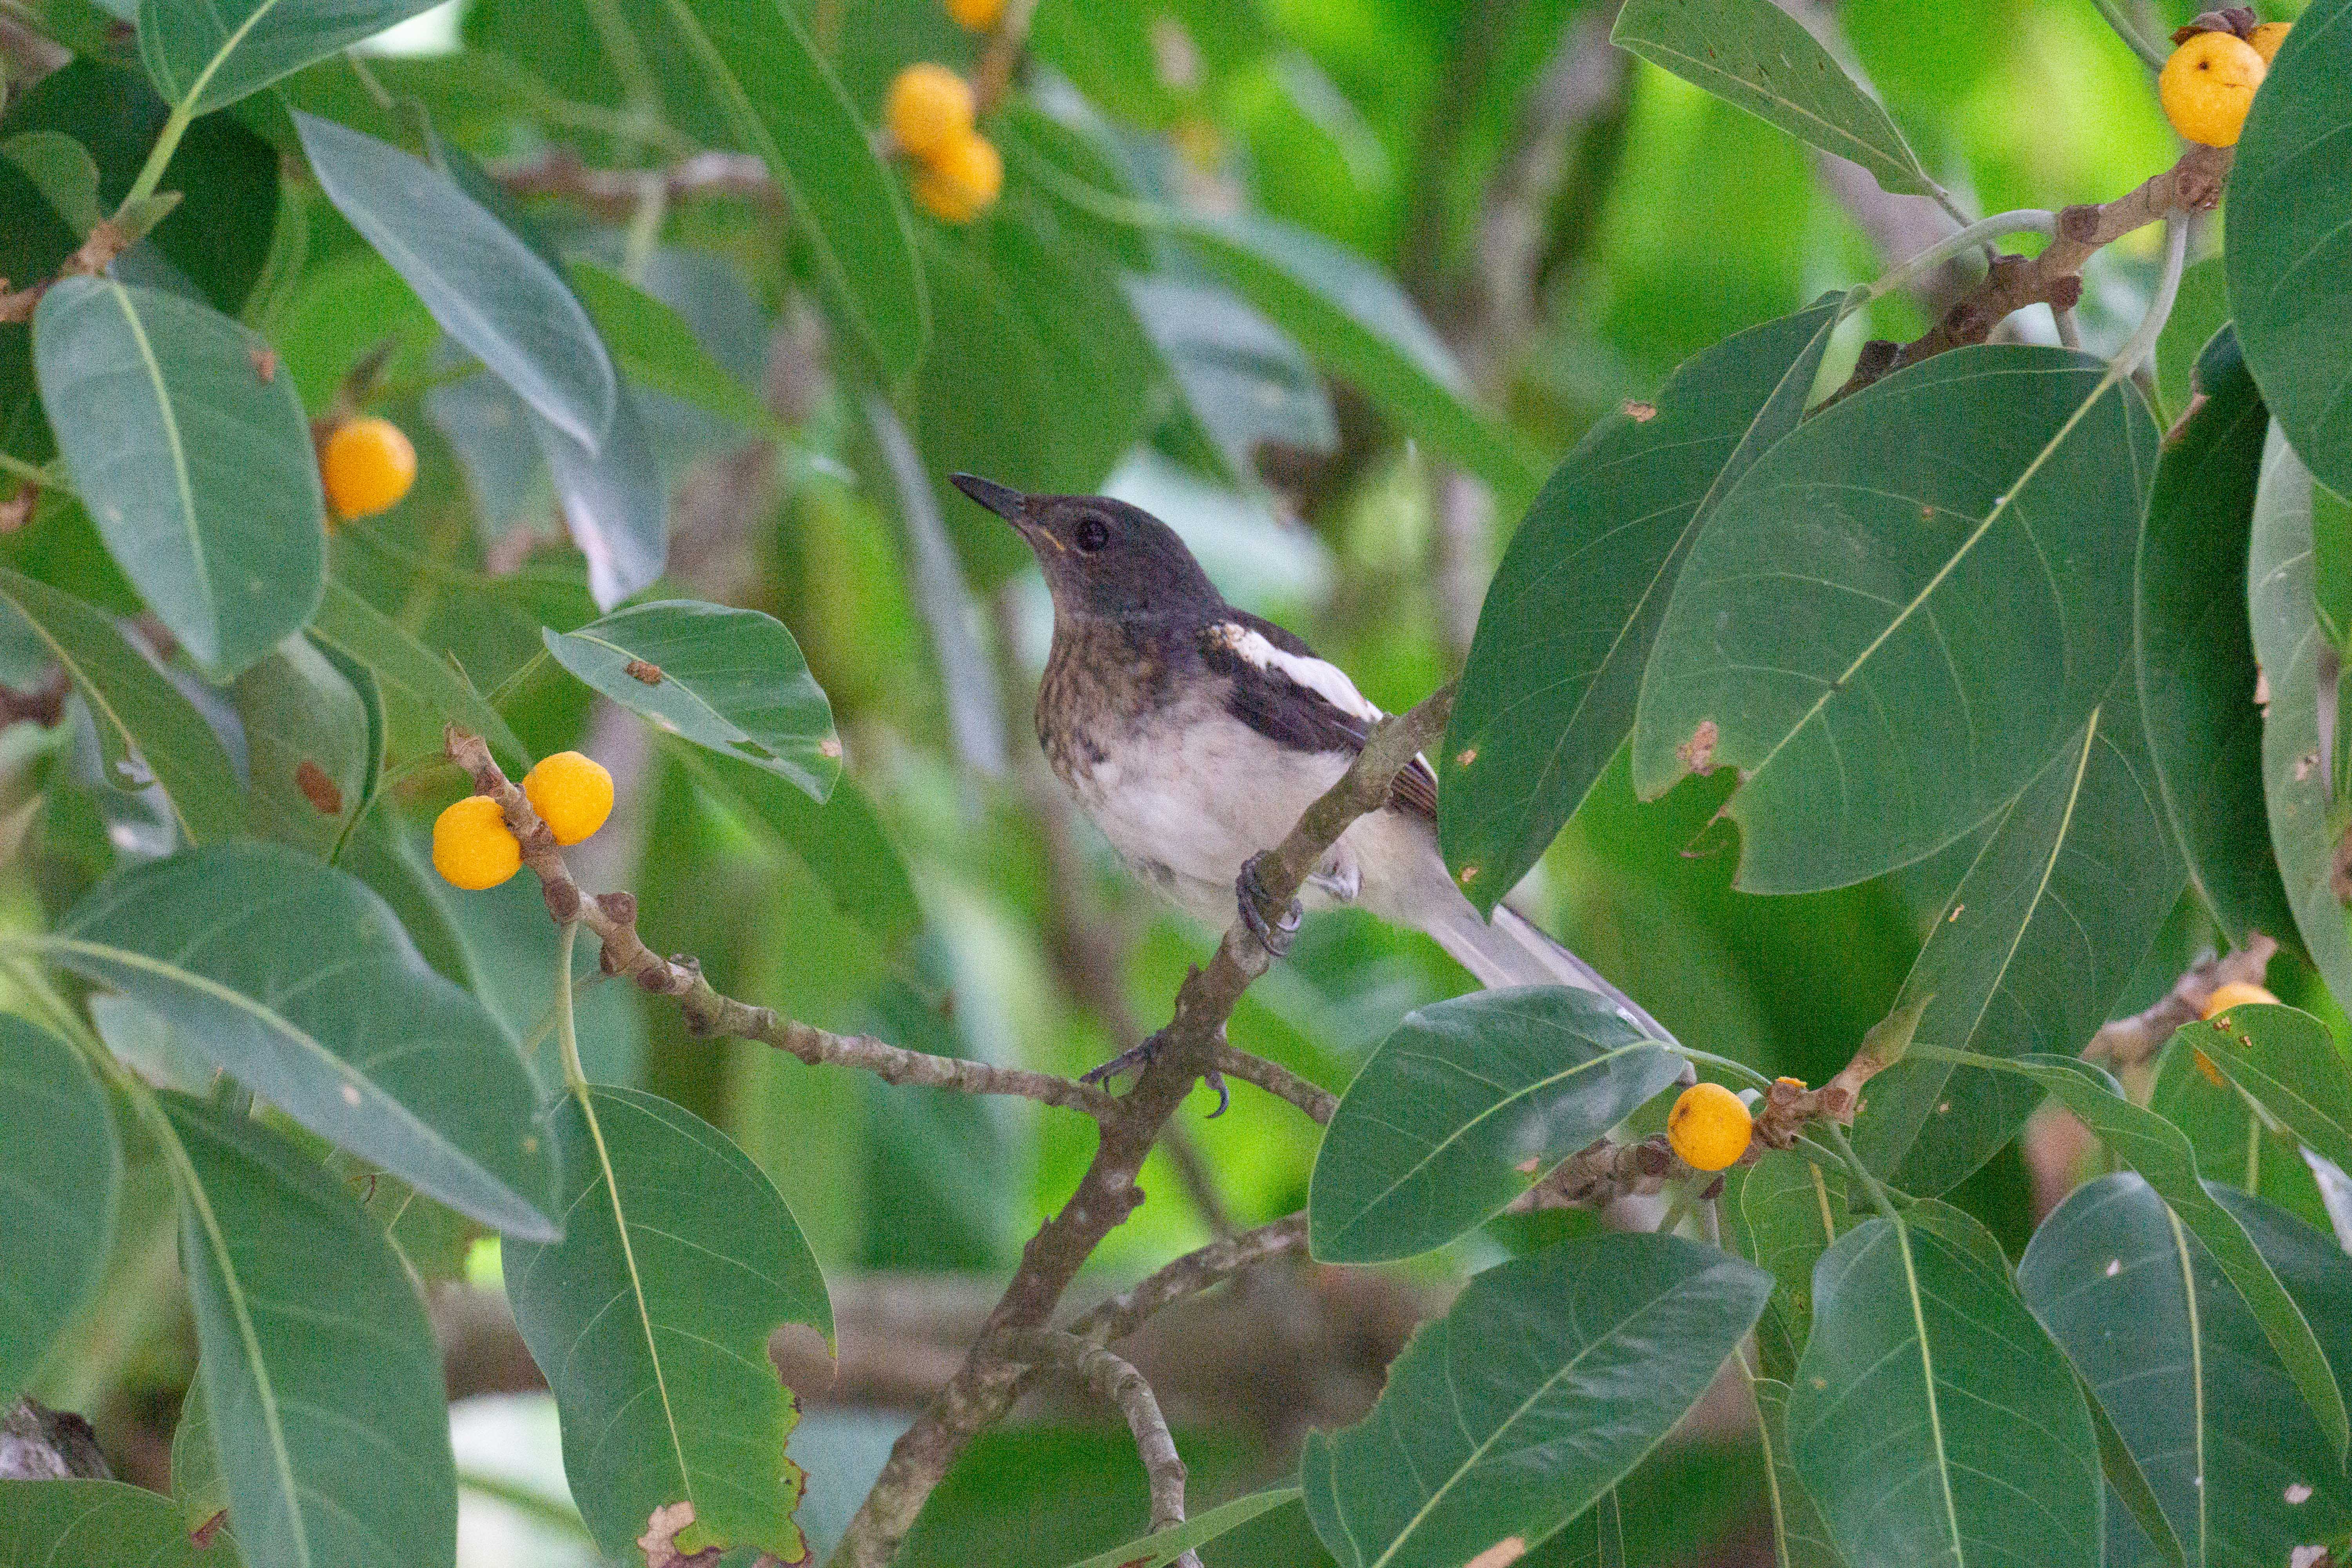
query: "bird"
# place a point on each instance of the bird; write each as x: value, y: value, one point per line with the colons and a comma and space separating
x: 1194, y: 734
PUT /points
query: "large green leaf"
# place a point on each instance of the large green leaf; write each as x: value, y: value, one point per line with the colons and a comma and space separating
x: 358, y: 629
x: 194, y: 458
x: 1457, y: 1109
x: 482, y: 281
x: 1902, y: 611
x: 1548, y: 1382
x: 1355, y: 321
x: 137, y: 709
x: 299, y: 982
x: 765, y: 80
x: 1932, y: 1420
x: 658, y: 350
x: 60, y: 1177
x: 203, y: 54
x: 1163, y: 1547
x: 730, y: 680
x: 2285, y: 1058
x: 2234, y: 1141
x: 2242, y: 1471
x: 2030, y: 952
x: 2195, y: 648
x: 72, y: 1524
x: 2160, y: 1153
x: 1753, y: 54
x: 308, y: 746
x: 2289, y: 643
x: 1547, y: 694
x: 651, y: 1320
x: 197, y: 1484
x: 1801, y: 1536
x: 1783, y: 1212
x: 320, y: 1374
x: 2290, y: 255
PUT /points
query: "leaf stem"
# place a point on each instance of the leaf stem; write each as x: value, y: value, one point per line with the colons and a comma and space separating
x: 2130, y: 34
x: 1728, y: 1064
x: 2160, y: 304
x: 1861, y: 1173
x: 2018, y: 220
x: 31, y: 473
x: 151, y: 172
x: 567, y: 1035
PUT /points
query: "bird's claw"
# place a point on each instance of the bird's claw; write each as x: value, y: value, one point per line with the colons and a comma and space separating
x: 1142, y: 1057
x: 1274, y: 930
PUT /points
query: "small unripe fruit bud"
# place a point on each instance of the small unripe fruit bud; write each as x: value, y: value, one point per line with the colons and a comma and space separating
x: 367, y: 465
x: 962, y: 180
x: 1709, y: 1127
x: 472, y: 846
x: 2208, y: 85
x: 929, y: 107
x: 572, y: 794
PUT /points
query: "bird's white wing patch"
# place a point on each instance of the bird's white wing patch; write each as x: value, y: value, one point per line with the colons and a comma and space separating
x: 1326, y: 680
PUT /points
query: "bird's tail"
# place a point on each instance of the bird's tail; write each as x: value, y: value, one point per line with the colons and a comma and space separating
x: 1513, y: 951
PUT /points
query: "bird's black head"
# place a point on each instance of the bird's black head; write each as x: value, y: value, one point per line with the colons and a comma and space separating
x: 1103, y: 557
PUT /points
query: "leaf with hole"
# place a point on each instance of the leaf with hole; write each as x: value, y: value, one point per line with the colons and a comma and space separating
x: 1903, y: 611
x: 1549, y: 692
x: 193, y: 458
x: 137, y: 709
x: 1455, y: 1112
x: 1547, y: 1381
x: 321, y: 1378
x: 2030, y: 952
x: 651, y: 1320
x: 730, y: 680
x: 483, y: 282
x: 1932, y: 1420
x: 61, y: 1179
x: 305, y: 988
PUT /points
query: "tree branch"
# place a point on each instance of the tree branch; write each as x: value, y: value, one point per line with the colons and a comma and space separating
x: 1189, y: 1276
x: 1317, y: 1102
x: 2129, y: 1042
x: 1120, y: 1385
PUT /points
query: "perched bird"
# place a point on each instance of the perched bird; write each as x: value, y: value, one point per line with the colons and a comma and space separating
x: 1194, y: 734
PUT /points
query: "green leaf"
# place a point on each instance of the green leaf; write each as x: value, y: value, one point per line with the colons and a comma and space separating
x: 306, y: 740
x: 1356, y: 322
x: 1163, y: 1547
x: 1932, y: 1419
x: 2242, y: 1471
x: 63, y: 170
x: 1455, y: 1112
x: 304, y: 987
x: 483, y: 282
x: 319, y: 1374
x: 771, y: 86
x: 2195, y: 648
x: 2234, y: 1142
x: 192, y: 457
x: 1755, y: 55
x: 729, y: 680
x: 2285, y: 1058
x: 1800, y: 1537
x: 197, y: 1484
x: 2290, y: 255
x: 1782, y: 1213
x: 349, y: 623
x: 656, y: 347
x: 1547, y: 694
x: 2289, y: 644
x: 67, y: 1524
x: 2030, y: 952
x: 204, y: 54
x: 1241, y: 376
x: 615, y: 502
x: 1902, y: 611
x: 2158, y: 1151
x: 651, y: 1320
x: 60, y: 1180
x: 137, y: 709
x: 1549, y: 1379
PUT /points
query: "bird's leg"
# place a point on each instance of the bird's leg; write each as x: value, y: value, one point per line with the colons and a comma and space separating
x: 1273, y: 928
x: 1142, y: 1057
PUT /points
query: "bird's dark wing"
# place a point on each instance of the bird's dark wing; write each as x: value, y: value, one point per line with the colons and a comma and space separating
x: 1285, y: 693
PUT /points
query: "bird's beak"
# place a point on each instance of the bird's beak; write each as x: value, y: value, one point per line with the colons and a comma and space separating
x: 1003, y: 499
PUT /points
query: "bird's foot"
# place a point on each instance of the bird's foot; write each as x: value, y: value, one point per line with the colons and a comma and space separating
x: 1142, y: 1057
x: 1274, y: 928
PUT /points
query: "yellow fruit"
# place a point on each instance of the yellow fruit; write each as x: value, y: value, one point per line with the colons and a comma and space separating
x: 963, y: 179
x: 976, y: 16
x: 572, y: 794
x: 368, y: 465
x: 472, y: 847
x: 929, y: 107
x: 1708, y: 1126
x: 2266, y: 39
x: 2208, y: 85
x: 2236, y: 993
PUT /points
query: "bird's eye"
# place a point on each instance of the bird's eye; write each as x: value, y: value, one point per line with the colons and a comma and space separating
x: 1093, y: 533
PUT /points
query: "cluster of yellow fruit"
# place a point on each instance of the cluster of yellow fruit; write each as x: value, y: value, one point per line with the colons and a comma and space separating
x: 929, y: 113
x: 367, y: 464
x: 1709, y: 1127
x: 472, y: 845
x: 2209, y: 82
